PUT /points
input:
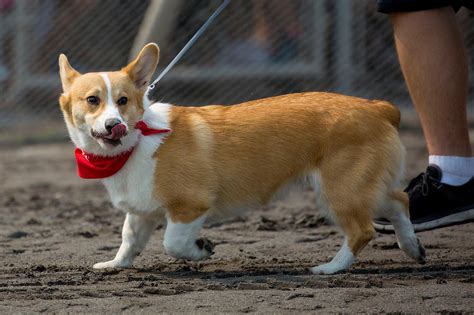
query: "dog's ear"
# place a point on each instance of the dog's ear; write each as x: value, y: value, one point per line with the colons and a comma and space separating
x: 68, y: 74
x: 142, y: 68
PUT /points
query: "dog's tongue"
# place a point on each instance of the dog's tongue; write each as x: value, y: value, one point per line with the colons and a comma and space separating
x: 117, y: 132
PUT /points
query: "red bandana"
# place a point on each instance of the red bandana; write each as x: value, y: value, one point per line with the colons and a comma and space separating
x: 90, y: 166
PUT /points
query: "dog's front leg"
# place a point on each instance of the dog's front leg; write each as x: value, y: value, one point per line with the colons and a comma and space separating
x: 135, y: 234
x: 181, y: 240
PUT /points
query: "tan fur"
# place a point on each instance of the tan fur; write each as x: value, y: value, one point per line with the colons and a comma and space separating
x: 218, y: 157
x: 403, y: 198
x: 143, y: 66
x: 91, y: 84
x: 129, y: 82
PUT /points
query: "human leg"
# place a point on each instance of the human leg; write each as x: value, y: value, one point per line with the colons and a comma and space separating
x: 434, y: 63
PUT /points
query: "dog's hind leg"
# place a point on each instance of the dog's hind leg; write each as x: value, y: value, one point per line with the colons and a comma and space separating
x: 358, y: 230
x: 136, y: 232
x: 349, y: 201
x: 397, y: 213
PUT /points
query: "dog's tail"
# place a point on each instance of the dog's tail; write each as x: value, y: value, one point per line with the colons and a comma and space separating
x: 388, y: 111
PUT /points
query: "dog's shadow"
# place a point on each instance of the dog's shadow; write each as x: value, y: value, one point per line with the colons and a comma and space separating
x: 191, y: 272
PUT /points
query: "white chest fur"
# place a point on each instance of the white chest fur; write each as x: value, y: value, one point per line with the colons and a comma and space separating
x: 132, y: 188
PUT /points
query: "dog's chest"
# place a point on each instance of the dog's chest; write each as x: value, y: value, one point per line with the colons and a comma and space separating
x: 132, y: 188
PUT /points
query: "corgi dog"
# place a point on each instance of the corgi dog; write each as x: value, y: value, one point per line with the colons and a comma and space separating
x: 188, y: 164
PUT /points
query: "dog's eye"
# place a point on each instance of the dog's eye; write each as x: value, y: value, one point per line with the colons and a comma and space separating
x: 93, y: 100
x: 122, y: 101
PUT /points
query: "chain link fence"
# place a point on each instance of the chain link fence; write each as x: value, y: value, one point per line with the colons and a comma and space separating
x: 254, y: 49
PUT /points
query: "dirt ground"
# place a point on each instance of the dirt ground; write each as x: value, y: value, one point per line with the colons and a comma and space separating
x: 55, y: 226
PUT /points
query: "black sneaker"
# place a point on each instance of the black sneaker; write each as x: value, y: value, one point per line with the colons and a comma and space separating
x: 434, y: 204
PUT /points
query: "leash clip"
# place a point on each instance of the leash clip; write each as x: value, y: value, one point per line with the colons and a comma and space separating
x: 188, y: 45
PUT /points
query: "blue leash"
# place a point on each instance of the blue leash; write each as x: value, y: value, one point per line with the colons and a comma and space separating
x: 188, y: 45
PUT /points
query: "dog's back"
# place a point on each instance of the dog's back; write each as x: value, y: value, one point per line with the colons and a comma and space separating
x: 244, y: 153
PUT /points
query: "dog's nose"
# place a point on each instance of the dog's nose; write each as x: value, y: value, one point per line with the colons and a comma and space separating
x: 111, y: 122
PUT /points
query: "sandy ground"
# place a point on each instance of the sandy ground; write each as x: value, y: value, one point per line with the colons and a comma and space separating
x: 54, y: 227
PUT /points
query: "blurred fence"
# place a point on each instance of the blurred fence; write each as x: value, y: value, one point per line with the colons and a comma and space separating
x: 255, y: 48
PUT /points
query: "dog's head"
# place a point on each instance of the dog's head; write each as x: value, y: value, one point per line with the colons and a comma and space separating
x: 102, y: 108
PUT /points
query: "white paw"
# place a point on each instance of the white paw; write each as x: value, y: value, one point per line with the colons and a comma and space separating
x: 200, y: 255
x: 414, y: 249
x: 326, y: 269
x: 201, y: 249
x: 342, y: 261
x: 111, y: 264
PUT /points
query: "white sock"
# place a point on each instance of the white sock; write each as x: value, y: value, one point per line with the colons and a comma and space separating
x: 457, y: 170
